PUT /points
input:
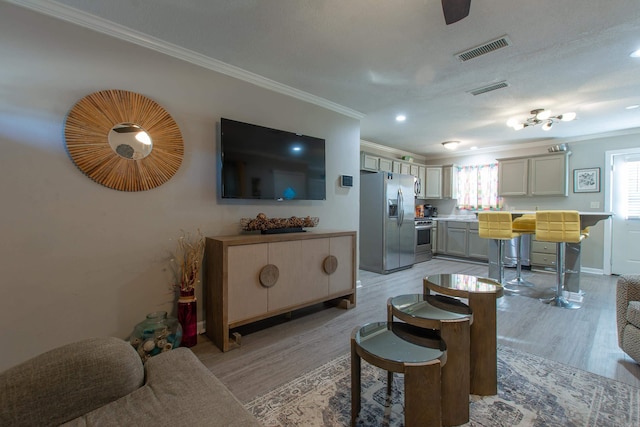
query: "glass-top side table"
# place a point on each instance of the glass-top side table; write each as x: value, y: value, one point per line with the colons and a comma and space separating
x: 399, y: 347
x: 451, y: 318
x: 481, y: 294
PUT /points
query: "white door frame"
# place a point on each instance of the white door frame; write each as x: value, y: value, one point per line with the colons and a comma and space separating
x: 608, y: 202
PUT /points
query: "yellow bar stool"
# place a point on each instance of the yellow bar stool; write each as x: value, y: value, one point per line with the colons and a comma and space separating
x: 560, y: 227
x: 525, y: 224
x: 497, y: 226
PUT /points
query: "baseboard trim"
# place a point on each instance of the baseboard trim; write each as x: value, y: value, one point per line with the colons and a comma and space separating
x: 589, y: 270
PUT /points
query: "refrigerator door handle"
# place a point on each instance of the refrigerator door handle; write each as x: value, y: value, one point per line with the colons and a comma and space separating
x: 400, y: 208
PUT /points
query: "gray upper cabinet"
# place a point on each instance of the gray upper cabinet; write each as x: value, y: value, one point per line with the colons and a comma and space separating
x: 385, y: 165
x: 374, y: 163
x: 369, y: 162
x: 548, y: 175
x: 513, y: 177
x: 433, y: 182
x: 449, y: 182
x: 545, y: 175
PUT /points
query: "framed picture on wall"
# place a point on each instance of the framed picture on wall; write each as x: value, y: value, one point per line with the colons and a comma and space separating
x: 586, y: 180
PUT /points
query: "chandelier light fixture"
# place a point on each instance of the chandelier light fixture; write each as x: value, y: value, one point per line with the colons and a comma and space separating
x: 540, y: 116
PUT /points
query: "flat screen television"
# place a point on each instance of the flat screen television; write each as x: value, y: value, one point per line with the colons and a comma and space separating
x: 270, y: 164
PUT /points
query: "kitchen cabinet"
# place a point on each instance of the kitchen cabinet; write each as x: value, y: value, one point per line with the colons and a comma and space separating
x: 440, y: 182
x: 441, y: 240
x: 369, y: 162
x: 422, y: 177
x: 478, y: 247
x: 543, y: 254
x: 449, y: 182
x: 545, y: 175
x: 401, y: 167
x: 375, y: 163
x: 385, y: 165
x: 457, y: 238
x: 254, y: 277
x: 461, y: 239
x: 433, y: 182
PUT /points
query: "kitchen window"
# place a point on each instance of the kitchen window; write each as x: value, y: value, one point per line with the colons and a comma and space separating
x: 478, y: 187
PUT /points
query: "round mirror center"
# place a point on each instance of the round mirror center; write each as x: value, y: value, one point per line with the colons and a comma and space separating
x: 130, y: 141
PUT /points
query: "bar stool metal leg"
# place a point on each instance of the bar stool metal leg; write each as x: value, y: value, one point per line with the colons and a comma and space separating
x: 559, y: 300
x: 518, y: 281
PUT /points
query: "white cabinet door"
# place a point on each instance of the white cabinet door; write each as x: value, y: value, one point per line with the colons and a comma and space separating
x: 433, y: 184
x: 513, y: 177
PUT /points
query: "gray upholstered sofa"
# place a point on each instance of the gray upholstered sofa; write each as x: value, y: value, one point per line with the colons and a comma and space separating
x: 102, y: 382
x: 628, y: 314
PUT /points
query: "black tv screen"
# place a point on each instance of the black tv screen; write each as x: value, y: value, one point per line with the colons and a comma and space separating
x: 264, y: 163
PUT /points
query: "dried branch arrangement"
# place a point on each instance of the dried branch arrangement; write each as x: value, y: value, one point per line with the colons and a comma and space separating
x: 188, y: 259
x: 261, y: 222
x: 86, y: 133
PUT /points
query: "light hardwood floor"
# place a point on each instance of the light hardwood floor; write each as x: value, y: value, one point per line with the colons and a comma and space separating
x: 281, y: 349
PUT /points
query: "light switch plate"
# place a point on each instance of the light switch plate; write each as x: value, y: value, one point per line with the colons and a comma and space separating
x: 595, y: 205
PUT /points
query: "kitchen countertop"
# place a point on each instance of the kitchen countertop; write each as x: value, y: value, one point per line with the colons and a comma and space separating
x: 587, y: 219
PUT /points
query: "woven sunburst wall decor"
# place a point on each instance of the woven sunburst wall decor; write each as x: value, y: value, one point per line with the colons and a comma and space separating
x: 87, y: 133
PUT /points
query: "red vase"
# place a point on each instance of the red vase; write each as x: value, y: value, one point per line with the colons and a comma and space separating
x: 188, y: 317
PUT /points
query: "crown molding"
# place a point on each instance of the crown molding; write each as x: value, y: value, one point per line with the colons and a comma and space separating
x: 92, y: 22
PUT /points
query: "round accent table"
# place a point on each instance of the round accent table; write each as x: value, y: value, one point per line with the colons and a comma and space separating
x: 452, y: 319
x: 481, y: 294
x: 399, y: 347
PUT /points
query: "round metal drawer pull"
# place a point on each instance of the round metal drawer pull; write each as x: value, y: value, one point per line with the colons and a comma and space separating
x: 330, y: 264
x: 269, y: 275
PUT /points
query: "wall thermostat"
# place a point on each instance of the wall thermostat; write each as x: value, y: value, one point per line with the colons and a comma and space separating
x: 346, y: 181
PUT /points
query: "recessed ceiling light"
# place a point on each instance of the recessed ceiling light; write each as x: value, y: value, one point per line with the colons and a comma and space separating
x: 401, y: 118
x: 635, y: 54
x: 632, y: 107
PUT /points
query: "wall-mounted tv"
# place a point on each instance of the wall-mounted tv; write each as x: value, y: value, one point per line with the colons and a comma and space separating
x: 264, y: 163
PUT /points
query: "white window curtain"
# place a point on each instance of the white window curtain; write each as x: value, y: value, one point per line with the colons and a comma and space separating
x: 478, y: 187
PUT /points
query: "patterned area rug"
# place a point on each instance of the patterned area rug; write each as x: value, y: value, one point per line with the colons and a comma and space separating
x: 532, y: 391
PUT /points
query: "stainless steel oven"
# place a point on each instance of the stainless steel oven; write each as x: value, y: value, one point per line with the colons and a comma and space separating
x: 424, y: 250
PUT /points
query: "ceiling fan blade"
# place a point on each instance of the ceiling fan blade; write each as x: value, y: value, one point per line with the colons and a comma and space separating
x: 455, y: 10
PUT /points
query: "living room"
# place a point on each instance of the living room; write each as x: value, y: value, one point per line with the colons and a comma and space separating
x: 92, y: 261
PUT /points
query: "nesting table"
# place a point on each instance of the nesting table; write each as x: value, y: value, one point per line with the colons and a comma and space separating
x: 452, y: 318
x: 481, y: 294
x: 399, y: 347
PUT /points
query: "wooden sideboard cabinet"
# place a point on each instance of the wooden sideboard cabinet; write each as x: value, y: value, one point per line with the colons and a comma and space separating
x: 254, y: 277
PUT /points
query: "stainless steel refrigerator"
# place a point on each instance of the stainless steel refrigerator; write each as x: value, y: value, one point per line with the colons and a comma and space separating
x: 387, y: 213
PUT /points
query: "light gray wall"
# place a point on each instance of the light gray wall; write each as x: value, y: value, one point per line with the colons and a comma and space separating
x: 81, y: 260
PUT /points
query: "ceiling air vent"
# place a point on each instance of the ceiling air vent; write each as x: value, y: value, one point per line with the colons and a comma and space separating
x: 485, y: 89
x: 483, y: 49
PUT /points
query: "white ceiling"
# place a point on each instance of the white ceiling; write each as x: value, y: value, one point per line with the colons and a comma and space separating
x: 384, y: 57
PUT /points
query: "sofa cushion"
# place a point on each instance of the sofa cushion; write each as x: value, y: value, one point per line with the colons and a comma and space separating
x: 633, y: 313
x: 179, y: 391
x: 69, y: 381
